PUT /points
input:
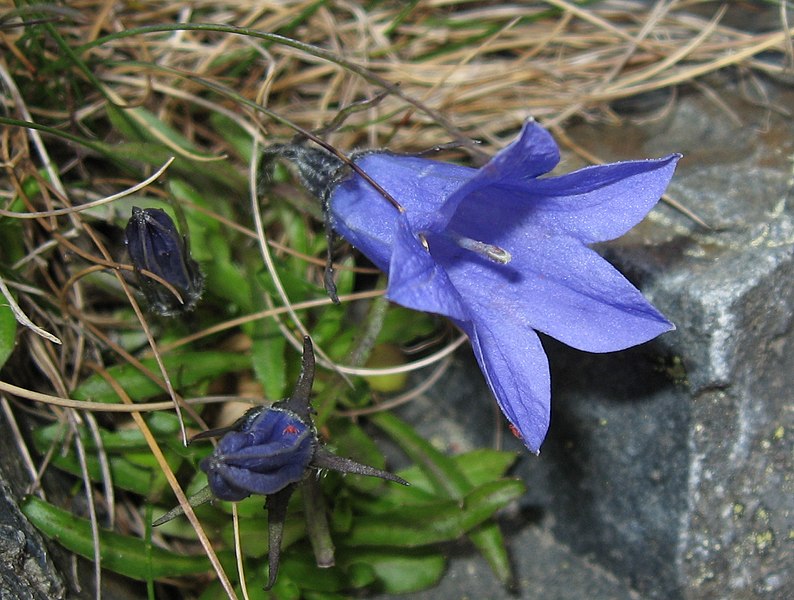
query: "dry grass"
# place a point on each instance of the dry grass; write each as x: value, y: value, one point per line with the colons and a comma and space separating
x: 485, y: 66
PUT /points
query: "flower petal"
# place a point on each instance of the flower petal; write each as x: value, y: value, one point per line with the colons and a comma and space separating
x: 603, y: 202
x: 222, y: 490
x: 562, y: 288
x: 255, y: 483
x: 271, y: 449
x: 533, y: 153
x: 154, y: 244
x: 428, y: 190
x: 417, y: 281
x: 594, y: 204
x: 515, y: 367
x: 361, y: 215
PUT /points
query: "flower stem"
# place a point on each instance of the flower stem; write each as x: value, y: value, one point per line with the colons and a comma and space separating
x: 317, y: 523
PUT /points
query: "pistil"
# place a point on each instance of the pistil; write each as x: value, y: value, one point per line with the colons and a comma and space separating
x: 490, y: 251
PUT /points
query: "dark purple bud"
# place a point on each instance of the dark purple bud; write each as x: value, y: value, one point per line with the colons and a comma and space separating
x: 271, y: 449
x: 155, y: 245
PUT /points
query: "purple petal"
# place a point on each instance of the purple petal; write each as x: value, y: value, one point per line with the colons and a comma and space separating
x: 275, y: 455
x: 533, y: 153
x: 417, y: 281
x: 593, y: 204
x: 222, y: 490
x: 516, y: 370
x: 562, y: 288
x: 258, y: 483
x: 600, y: 203
x: 271, y: 449
x: 154, y: 244
x: 361, y: 215
x: 428, y: 190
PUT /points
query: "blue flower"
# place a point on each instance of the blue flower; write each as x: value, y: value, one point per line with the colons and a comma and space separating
x: 155, y: 245
x: 269, y: 449
x: 503, y: 252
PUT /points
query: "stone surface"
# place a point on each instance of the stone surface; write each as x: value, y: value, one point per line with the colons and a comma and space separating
x: 716, y: 515
x: 669, y: 468
x: 26, y: 570
x: 32, y: 567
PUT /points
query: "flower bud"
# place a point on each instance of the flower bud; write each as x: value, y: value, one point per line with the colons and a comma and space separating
x: 155, y: 245
x: 269, y: 449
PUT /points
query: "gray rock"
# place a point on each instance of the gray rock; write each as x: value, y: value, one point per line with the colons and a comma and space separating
x: 32, y: 567
x: 703, y: 464
x: 673, y: 462
x: 26, y: 570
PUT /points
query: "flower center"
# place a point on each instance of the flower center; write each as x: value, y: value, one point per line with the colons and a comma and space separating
x: 490, y: 251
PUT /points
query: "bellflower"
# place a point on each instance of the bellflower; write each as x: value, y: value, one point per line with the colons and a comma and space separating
x: 503, y: 252
x: 155, y: 245
x: 266, y: 451
x: 269, y: 451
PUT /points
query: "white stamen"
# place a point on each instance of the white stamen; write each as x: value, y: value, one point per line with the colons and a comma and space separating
x: 490, y: 251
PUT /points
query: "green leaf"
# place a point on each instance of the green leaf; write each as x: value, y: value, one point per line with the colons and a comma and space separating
x: 225, y: 280
x: 215, y: 174
x: 185, y: 369
x: 478, y: 466
x: 8, y: 331
x: 349, y: 440
x: 485, y: 464
x: 442, y: 472
x: 442, y: 521
x: 236, y: 136
x: 161, y: 424
x: 253, y: 532
x: 12, y: 244
x: 402, y: 325
x: 400, y: 571
x: 452, y: 477
x: 125, y: 555
x: 147, y: 127
x: 491, y: 544
x: 302, y: 570
x: 267, y: 355
x: 126, y: 475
